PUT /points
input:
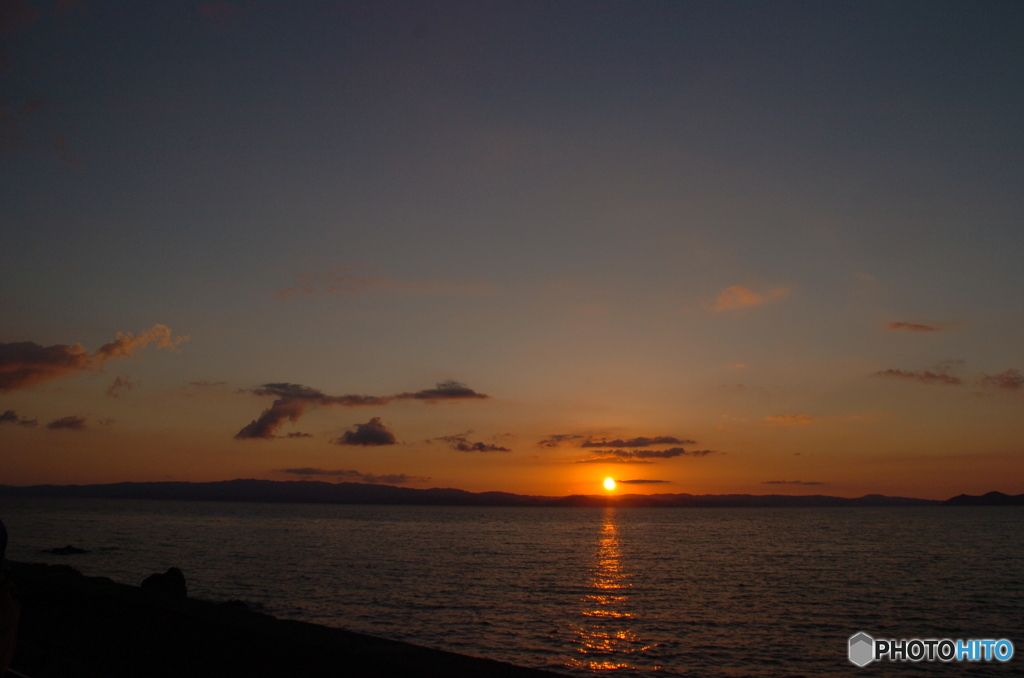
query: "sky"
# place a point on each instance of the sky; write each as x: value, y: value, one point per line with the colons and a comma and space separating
x: 707, y: 247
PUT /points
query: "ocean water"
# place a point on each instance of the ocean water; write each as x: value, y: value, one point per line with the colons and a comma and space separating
x: 582, y: 591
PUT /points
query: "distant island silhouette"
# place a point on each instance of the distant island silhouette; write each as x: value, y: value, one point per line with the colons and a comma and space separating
x: 318, y: 492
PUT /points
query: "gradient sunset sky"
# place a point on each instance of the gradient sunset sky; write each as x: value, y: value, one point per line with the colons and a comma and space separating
x: 522, y: 246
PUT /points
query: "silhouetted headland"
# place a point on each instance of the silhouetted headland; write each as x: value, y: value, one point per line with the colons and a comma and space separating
x: 73, y: 625
x: 317, y: 492
x: 990, y: 499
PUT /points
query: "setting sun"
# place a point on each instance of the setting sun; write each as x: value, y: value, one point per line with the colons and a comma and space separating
x: 609, y: 484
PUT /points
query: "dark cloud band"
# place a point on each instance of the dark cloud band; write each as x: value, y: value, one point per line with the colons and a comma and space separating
x: 576, y: 440
x: 69, y: 423
x: 621, y: 456
x: 11, y: 417
x: 292, y: 401
x: 461, y: 443
x: 911, y: 327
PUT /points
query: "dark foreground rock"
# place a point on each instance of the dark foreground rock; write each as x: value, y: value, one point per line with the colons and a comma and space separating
x: 80, y: 626
x: 170, y: 583
x: 68, y: 550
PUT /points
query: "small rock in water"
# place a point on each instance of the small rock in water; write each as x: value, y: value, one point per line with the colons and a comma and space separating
x: 171, y: 583
x: 68, y: 550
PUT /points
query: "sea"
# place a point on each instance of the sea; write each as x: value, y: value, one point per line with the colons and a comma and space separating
x: 580, y: 591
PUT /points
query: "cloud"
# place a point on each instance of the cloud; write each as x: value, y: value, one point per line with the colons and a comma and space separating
x: 558, y: 439
x: 623, y: 451
x: 926, y: 376
x: 911, y: 327
x: 373, y: 432
x: 461, y: 443
x: 666, y: 454
x: 791, y: 418
x: 72, y: 423
x: 1011, y: 380
x: 123, y: 346
x: 356, y: 476
x: 620, y: 456
x: 445, y: 390
x: 283, y: 409
x: 293, y: 400
x: 576, y: 440
x: 26, y: 363
x: 641, y: 482
x: 612, y: 460
x: 737, y: 297
x: 340, y: 282
x: 636, y: 442
x: 299, y: 434
x: 11, y: 417
x: 206, y: 384
x: 298, y: 392
x: 120, y: 386
x: 793, y: 482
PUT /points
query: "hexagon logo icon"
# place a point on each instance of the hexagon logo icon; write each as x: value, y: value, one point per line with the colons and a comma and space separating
x: 862, y: 649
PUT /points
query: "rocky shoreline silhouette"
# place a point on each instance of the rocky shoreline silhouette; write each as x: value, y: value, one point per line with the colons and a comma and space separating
x: 74, y: 625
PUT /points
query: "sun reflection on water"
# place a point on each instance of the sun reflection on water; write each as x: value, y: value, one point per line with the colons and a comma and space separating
x: 604, y: 638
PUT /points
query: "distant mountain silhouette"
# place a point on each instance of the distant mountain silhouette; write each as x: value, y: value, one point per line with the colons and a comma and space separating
x: 990, y: 499
x: 316, y: 492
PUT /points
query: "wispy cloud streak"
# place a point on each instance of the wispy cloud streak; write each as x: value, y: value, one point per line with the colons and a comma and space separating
x: 925, y: 376
x: 1010, y: 380
x: 737, y: 297
x: 24, y: 364
x: 120, y: 386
